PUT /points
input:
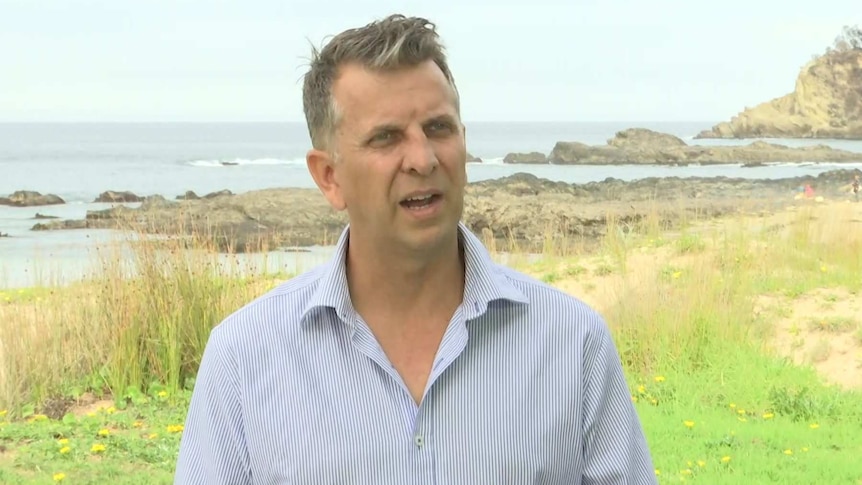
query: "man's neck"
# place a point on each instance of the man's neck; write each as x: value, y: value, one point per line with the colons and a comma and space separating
x: 404, y: 286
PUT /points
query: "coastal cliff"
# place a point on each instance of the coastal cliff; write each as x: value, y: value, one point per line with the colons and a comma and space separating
x: 826, y: 101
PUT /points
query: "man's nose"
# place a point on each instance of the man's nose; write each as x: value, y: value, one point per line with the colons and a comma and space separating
x: 419, y: 156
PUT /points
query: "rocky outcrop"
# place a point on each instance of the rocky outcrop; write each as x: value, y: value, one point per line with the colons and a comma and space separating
x: 642, y: 146
x: 527, y: 158
x: 113, y: 197
x: 191, y: 195
x: 29, y: 198
x: 473, y: 159
x: 826, y: 103
x: 520, y: 208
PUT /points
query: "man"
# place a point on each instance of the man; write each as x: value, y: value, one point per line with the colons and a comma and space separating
x: 411, y: 357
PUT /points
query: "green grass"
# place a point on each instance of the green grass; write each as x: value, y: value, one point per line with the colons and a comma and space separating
x: 137, y: 445
x: 752, y: 426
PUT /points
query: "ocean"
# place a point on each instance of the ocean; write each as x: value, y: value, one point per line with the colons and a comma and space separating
x: 79, y: 161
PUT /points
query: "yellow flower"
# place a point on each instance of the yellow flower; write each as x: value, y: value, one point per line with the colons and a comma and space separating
x: 111, y: 410
x: 657, y: 471
x: 58, y: 477
x: 659, y: 378
x: 676, y: 274
x: 701, y: 463
x: 768, y: 416
x: 98, y: 448
x: 65, y: 450
x: 813, y: 425
x: 104, y: 432
x: 641, y: 389
x: 175, y: 428
x: 740, y: 411
x: 804, y: 448
x: 654, y: 401
x: 163, y: 394
x: 63, y: 441
x: 732, y: 405
x: 742, y: 420
x: 725, y: 459
x: 137, y: 424
x: 3, y: 412
x: 688, y: 424
x: 687, y: 471
x: 788, y: 452
x: 152, y: 436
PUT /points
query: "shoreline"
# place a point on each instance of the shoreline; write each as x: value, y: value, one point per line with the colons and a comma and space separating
x: 295, y: 227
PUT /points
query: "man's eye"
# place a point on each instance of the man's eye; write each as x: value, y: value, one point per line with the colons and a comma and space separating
x: 382, y: 137
x: 439, y: 126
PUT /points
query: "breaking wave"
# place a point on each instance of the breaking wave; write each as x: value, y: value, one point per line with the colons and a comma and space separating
x: 244, y: 161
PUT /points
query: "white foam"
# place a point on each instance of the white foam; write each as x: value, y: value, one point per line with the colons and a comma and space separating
x: 493, y: 161
x: 244, y: 161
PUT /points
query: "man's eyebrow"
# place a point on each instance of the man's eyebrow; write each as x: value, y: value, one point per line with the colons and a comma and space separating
x: 445, y: 117
x: 382, y: 128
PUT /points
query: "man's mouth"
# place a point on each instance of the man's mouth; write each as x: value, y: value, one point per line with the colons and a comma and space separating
x: 420, y: 201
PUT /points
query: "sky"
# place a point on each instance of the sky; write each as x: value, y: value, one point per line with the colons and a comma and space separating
x: 526, y: 60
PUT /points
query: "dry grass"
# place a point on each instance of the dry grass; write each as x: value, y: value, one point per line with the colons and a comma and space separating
x: 143, y: 317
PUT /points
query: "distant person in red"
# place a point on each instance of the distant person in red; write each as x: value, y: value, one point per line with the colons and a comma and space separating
x: 809, y: 192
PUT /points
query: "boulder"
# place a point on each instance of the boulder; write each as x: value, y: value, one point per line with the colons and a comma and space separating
x: 29, y: 198
x: 114, y: 197
x: 526, y: 158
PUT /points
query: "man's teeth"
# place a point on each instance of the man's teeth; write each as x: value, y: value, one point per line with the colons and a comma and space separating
x: 418, y: 199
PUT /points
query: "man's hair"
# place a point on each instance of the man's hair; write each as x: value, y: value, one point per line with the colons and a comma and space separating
x: 384, y: 45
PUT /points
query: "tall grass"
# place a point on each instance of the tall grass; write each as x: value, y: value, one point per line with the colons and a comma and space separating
x: 142, y: 318
x: 702, y: 300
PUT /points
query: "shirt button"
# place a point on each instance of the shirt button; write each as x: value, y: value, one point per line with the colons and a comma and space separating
x: 419, y: 440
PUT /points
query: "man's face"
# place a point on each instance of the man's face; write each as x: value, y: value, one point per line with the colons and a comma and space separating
x: 401, y: 166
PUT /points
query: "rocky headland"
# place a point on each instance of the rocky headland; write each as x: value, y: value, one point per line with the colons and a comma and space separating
x: 520, y: 208
x: 825, y: 103
x: 648, y: 147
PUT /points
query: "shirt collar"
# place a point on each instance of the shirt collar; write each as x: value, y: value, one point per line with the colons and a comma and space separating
x: 483, y: 283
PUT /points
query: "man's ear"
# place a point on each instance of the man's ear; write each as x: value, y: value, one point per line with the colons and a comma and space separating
x: 321, y: 166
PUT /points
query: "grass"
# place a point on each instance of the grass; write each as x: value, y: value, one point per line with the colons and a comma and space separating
x: 719, y: 402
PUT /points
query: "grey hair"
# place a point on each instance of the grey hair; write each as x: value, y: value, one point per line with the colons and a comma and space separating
x: 383, y: 45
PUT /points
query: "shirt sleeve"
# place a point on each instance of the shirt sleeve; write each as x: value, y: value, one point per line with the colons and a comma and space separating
x: 213, y: 448
x: 615, y: 447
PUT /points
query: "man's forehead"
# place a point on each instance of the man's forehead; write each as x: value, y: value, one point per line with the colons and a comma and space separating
x: 370, y: 96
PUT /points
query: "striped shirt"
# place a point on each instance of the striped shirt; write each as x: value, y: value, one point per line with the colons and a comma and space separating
x: 526, y: 388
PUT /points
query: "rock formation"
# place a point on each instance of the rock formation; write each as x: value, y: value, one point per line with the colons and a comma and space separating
x: 642, y: 146
x: 532, y: 158
x: 521, y: 208
x: 111, y: 196
x: 826, y: 103
x: 29, y: 198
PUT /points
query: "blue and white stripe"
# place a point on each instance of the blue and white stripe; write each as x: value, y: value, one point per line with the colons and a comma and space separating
x: 526, y: 388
